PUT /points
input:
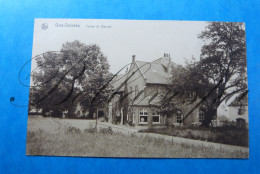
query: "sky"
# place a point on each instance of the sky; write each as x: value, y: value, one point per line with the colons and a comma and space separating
x: 120, y: 39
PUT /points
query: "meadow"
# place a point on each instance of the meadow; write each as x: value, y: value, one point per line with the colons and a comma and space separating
x: 51, y: 137
x: 237, y: 136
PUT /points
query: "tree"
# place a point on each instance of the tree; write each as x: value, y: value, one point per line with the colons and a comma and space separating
x: 74, y: 75
x: 222, y: 63
x: 170, y: 98
x: 185, y: 88
x: 220, y: 72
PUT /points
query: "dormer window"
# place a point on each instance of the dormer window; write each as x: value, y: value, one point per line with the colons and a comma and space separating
x: 241, y: 110
x: 179, y: 116
x: 202, y: 114
x: 190, y: 94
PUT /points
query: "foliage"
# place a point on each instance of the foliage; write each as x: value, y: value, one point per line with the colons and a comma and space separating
x: 75, y: 75
x: 57, y: 113
x: 106, y: 131
x: 131, y: 123
x: 72, y: 130
x: 219, y: 74
x: 90, y: 130
x: 223, y: 63
x: 52, y: 142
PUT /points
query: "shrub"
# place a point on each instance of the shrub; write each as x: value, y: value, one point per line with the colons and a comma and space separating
x: 72, y: 130
x: 102, y: 119
x: 130, y: 123
x: 106, y: 131
x: 57, y: 113
x: 89, y: 130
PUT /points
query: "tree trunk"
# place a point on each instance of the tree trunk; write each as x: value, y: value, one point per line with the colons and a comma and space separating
x: 70, y: 112
x: 96, y: 122
x: 209, y: 115
x: 91, y: 112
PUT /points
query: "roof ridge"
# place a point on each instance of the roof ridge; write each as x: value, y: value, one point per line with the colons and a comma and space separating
x: 157, y: 59
x: 147, y: 62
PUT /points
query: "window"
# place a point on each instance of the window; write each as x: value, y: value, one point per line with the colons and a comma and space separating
x: 179, y: 116
x: 191, y: 94
x: 156, y: 117
x: 241, y: 110
x: 202, y: 113
x: 143, y: 116
x: 240, y: 120
x: 136, y: 90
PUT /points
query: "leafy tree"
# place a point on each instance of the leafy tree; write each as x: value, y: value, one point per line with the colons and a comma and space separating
x: 222, y: 63
x: 220, y: 72
x: 76, y: 74
x: 170, y: 97
x: 186, y: 87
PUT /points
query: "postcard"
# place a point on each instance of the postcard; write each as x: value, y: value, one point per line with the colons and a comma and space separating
x: 138, y: 88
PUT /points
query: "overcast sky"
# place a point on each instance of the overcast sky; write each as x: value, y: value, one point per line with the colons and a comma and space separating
x: 121, y: 39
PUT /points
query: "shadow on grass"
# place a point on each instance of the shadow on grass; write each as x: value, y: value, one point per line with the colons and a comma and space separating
x: 225, y: 135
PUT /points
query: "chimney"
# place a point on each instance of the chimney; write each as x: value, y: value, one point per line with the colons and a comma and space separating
x: 133, y: 58
x: 166, y: 55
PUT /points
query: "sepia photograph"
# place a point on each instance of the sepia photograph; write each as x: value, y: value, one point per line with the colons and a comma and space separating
x: 137, y: 89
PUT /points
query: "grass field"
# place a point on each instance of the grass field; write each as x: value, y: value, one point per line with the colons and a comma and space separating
x: 224, y: 135
x: 47, y: 136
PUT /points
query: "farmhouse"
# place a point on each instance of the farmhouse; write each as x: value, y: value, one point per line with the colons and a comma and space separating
x: 233, y: 109
x: 138, y: 92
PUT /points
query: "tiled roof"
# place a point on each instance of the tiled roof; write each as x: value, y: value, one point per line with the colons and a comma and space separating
x: 146, y: 100
x: 239, y: 100
x: 155, y: 72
